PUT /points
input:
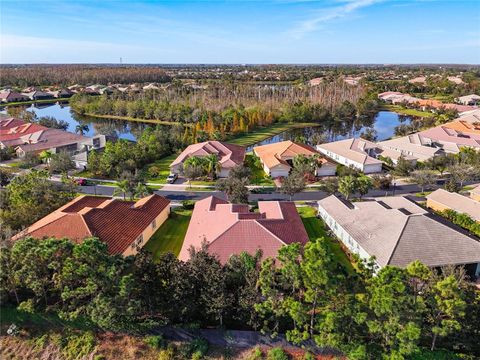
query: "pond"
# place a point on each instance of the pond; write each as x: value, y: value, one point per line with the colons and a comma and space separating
x: 382, y: 126
x: 111, y: 127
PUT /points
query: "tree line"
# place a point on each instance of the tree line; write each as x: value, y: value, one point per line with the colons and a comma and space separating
x: 394, y: 314
x: 70, y: 74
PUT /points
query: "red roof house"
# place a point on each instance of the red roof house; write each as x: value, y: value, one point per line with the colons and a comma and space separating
x: 229, y: 229
x: 125, y: 226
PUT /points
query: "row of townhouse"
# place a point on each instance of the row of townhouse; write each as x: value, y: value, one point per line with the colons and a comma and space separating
x: 463, y: 103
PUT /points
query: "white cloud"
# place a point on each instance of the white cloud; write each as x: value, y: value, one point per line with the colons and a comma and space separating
x: 330, y: 14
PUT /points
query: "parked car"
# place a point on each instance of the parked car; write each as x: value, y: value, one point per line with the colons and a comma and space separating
x: 82, y: 182
x: 172, y: 178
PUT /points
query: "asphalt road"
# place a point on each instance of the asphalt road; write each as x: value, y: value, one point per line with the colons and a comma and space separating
x: 198, y: 195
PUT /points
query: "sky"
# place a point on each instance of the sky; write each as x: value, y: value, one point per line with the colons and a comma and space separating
x: 240, y: 32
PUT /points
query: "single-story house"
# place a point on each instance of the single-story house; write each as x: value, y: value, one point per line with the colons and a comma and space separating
x: 413, y: 146
x: 12, y: 96
x: 229, y: 156
x: 450, y: 139
x: 125, y: 226
x: 277, y: 158
x: 62, y: 93
x: 440, y: 200
x: 396, y: 231
x: 38, y: 95
x: 227, y: 229
x: 472, y: 99
x: 358, y: 153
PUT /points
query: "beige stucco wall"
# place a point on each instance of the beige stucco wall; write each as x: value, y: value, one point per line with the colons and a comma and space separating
x: 436, y: 205
x: 149, y: 231
x: 475, y: 196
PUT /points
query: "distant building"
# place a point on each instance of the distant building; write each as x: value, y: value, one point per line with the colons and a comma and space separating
x: 228, y: 155
x: 125, y: 226
x: 277, y: 158
x: 62, y: 93
x: 38, y: 95
x: 315, y: 82
x: 397, y: 232
x: 418, y: 80
x: 227, y: 229
x: 12, y: 96
x: 440, y: 200
x: 469, y: 99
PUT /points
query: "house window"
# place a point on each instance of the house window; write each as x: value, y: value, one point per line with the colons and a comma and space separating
x: 139, y: 239
x: 154, y: 223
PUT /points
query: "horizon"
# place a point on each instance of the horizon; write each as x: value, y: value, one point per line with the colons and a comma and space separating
x: 287, y: 32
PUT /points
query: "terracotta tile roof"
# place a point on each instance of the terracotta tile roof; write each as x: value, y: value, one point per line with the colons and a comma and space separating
x: 229, y: 155
x: 230, y: 229
x: 49, y: 138
x: 115, y: 222
x: 463, y: 126
x: 277, y: 153
x: 16, y: 129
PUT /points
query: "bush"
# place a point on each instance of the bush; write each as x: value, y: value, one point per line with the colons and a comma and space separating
x: 99, y: 357
x: 308, y: 356
x: 255, y: 354
x: 197, y: 347
x: 188, y: 204
x: 167, y: 354
x: 277, y: 354
x: 78, y: 346
x: 155, y: 341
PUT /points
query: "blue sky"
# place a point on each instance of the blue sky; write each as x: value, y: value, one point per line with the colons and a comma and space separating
x: 272, y: 31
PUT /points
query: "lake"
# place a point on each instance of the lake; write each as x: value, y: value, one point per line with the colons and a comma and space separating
x: 383, y: 124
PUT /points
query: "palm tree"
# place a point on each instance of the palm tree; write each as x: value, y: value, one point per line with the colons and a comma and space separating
x: 81, y: 129
x: 123, y: 187
x: 142, y: 190
x: 46, y: 156
x: 212, y: 165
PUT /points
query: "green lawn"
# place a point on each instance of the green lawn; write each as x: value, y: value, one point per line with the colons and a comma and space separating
x: 170, y: 236
x: 316, y: 228
x: 404, y: 111
x: 259, y: 177
x: 163, y: 165
x: 266, y: 132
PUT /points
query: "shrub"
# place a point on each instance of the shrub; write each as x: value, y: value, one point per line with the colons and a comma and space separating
x: 78, y: 346
x: 255, y: 354
x: 277, y: 354
x: 197, y: 347
x: 188, y: 204
x: 155, y: 341
x: 99, y: 357
x: 308, y: 356
x: 167, y: 354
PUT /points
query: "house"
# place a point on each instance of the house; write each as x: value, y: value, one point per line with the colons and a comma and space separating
x: 228, y: 229
x: 455, y: 79
x: 396, y: 231
x: 413, y: 146
x: 38, y: 95
x: 418, y: 80
x: 12, y: 96
x: 125, y: 226
x: 277, y: 158
x: 475, y: 193
x: 463, y: 126
x: 229, y: 156
x: 30, y: 137
x: 440, y: 200
x: 359, y: 153
x: 315, y: 81
x: 450, y: 140
x: 472, y: 99
x: 62, y: 93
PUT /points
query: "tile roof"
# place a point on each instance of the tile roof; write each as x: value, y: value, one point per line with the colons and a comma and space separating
x: 275, y: 154
x: 413, y: 144
x: 463, y: 126
x: 115, y: 222
x: 353, y: 149
x: 451, y: 139
x: 397, y: 232
x: 457, y: 202
x: 231, y: 229
x: 229, y: 155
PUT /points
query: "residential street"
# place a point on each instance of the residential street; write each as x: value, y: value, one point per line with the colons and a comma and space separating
x: 197, y: 195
